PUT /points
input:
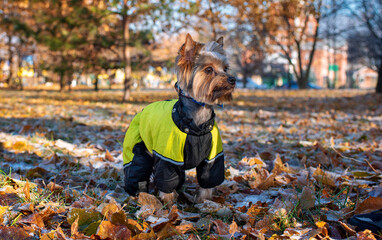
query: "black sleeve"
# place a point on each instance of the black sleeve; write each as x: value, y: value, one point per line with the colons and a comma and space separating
x: 211, y: 174
x: 168, y: 176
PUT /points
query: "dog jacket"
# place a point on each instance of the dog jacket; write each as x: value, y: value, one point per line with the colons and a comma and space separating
x: 162, y: 141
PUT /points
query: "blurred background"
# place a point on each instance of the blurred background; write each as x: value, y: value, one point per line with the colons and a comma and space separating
x: 131, y: 44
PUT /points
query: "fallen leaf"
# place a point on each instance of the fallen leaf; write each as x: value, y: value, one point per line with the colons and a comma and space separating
x: 221, y: 227
x: 145, y: 236
x: 324, y: 177
x: 26, y: 191
x: 33, y: 219
x: 184, y: 228
x: 13, y: 233
x: 2, y: 211
x: 233, y: 228
x: 85, y: 217
x: 167, y: 231
x: 110, y: 209
x: 368, y: 205
x: 307, y: 198
x: 74, y: 228
x: 109, y: 157
x: 54, y: 187
x: 145, y: 199
x: 108, y: 230
x: 365, y: 235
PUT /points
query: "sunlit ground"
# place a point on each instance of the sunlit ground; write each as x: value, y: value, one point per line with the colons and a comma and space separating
x: 276, y: 143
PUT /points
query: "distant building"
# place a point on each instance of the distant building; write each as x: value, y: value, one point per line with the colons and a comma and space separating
x: 365, y: 78
x: 329, y: 66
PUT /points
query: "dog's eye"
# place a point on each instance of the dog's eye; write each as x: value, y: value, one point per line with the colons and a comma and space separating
x: 225, y: 69
x: 209, y: 70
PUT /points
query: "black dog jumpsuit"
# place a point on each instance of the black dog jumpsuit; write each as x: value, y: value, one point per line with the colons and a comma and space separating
x: 162, y: 140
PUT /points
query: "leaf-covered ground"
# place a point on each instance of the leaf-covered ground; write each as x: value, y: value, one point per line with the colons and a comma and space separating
x: 299, y: 165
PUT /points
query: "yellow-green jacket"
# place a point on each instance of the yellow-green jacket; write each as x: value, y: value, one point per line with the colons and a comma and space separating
x: 161, y: 137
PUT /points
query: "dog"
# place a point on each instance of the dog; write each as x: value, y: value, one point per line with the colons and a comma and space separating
x: 169, y: 137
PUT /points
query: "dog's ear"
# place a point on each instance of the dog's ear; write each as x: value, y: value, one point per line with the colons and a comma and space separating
x: 220, y: 41
x: 189, y: 44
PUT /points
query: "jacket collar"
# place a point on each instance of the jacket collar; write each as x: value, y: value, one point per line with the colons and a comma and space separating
x: 186, y: 124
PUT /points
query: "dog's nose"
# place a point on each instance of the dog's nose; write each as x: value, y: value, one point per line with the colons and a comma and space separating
x: 231, y: 80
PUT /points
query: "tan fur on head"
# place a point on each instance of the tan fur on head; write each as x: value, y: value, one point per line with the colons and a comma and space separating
x: 202, y: 71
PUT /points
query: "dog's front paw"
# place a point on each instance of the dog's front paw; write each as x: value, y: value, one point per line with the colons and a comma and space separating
x: 168, y: 198
x: 204, y: 194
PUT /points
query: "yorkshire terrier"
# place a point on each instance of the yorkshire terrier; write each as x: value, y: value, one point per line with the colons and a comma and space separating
x: 169, y: 137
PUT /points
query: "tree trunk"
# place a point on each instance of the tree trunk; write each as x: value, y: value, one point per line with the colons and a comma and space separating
x: 126, y: 55
x: 96, y: 82
x: 62, y: 85
x: 245, y: 79
x: 302, y: 82
x: 69, y: 81
x: 379, y: 83
x: 10, y: 60
x: 289, y: 77
x: 19, y: 66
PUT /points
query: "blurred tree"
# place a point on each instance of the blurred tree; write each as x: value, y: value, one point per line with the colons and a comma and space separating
x: 135, y: 15
x: 370, y: 44
x: 287, y: 27
x: 294, y: 30
x: 248, y: 37
x: 18, y: 40
x: 208, y: 18
x: 63, y: 27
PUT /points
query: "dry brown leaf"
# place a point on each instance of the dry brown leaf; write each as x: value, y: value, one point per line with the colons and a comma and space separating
x: 33, y: 219
x: 167, y: 231
x: 27, y: 207
x: 368, y: 205
x: 74, y: 228
x: 54, y: 187
x: 84, y: 202
x: 184, y: 228
x: 348, y: 229
x: 26, y: 191
x: 145, y: 236
x: 221, y: 227
x: 264, y: 224
x: 324, y: 177
x: 365, y: 235
x: 233, y: 228
x: 192, y: 237
x: 109, y: 157
x: 307, y: 198
x: 145, y: 199
x: 108, y: 230
x: 59, y: 234
x: 25, y: 129
x: 13, y: 233
x: 2, y: 211
x: 110, y: 209
x: 279, y: 166
x: 268, y: 182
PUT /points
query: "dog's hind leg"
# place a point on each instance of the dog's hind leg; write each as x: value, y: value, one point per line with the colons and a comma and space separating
x: 204, y: 194
x: 168, y: 198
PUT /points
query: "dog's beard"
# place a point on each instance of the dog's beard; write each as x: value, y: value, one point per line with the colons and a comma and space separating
x: 211, y: 90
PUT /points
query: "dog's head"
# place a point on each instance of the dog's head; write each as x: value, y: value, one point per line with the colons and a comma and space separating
x: 202, y: 71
